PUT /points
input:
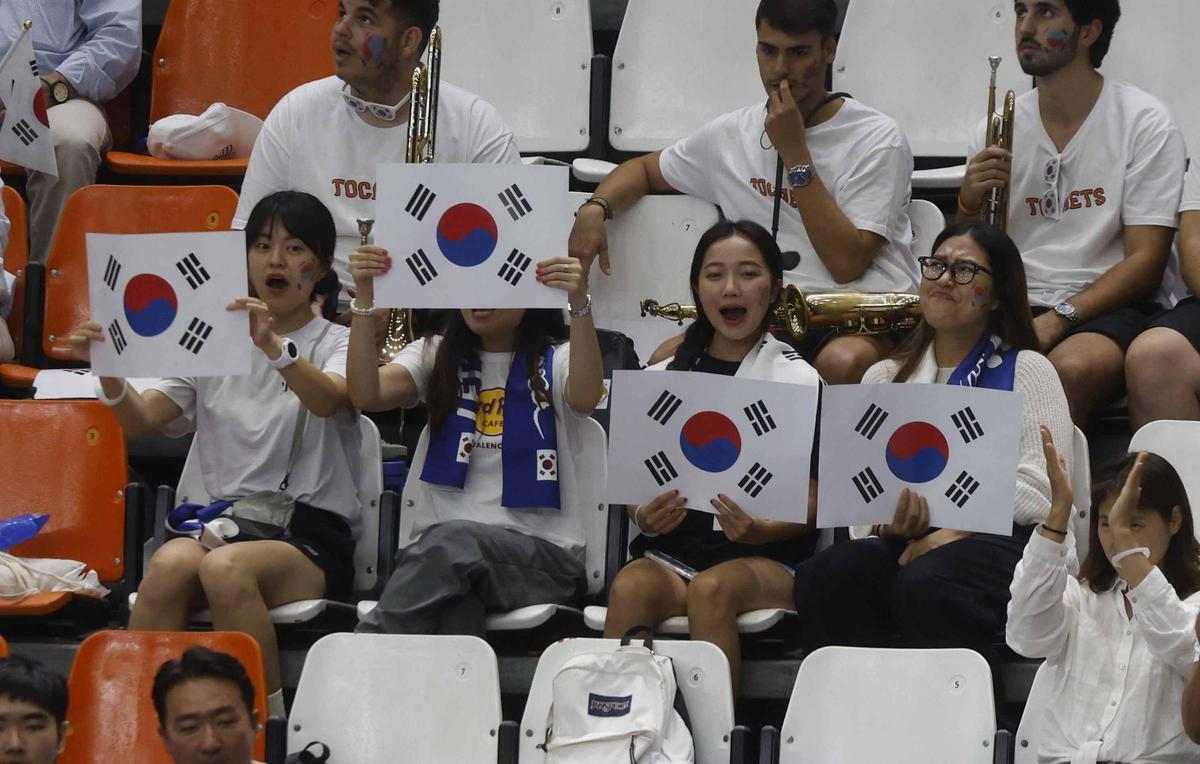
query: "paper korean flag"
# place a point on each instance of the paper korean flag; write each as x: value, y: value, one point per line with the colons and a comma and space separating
x: 25, y: 133
x: 161, y: 300
x: 470, y: 235
x: 706, y: 434
x: 956, y: 446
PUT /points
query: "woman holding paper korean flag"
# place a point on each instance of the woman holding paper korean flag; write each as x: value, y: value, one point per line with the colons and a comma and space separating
x: 943, y: 587
x: 245, y: 431
x: 492, y: 519
x: 743, y: 563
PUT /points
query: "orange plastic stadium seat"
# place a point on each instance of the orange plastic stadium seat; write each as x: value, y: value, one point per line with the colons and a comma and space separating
x: 3, y: 648
x: 246, y: 55
x: 16, y: 258
x: 112, y: 716
x: 67, y: 459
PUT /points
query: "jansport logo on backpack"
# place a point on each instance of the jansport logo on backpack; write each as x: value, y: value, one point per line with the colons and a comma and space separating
x: 605, y: 705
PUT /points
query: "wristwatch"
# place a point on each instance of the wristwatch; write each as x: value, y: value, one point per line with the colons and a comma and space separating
x: 1067, y: 311
x: 288, y: 355
x: 59, y: 92
x: 801, y: 175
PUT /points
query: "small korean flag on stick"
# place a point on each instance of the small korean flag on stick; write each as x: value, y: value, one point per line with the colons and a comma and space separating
x: 25, y: 133
x: 161, y: 299
x: 470, y: 235
x: 955, y: 446
x: 705, y: 435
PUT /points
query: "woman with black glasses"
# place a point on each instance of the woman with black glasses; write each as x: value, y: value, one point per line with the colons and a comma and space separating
x: 940, y: 587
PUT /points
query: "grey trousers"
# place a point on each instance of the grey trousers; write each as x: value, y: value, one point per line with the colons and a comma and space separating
x: 458, y: 571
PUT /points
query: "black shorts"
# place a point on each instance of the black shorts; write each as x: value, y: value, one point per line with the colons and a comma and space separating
x: 1183, y: 318
x: 817, y: 338
x: 1121, y: 326
x: 325, y: 538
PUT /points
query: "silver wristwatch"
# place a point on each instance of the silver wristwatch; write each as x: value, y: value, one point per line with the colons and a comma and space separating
x: 801, y: 175
x: 1068, y: 312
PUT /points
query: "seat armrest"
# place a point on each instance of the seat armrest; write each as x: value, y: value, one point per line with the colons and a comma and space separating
x: 739, y: 745
x: 508, y: 743
x: 276, y: 740
x: 591, y: 170
x: 940, y: 177
x: 389, y: 538
x: 768, y: 745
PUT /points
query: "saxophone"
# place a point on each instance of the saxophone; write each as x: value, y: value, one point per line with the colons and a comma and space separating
x: 798, y: 313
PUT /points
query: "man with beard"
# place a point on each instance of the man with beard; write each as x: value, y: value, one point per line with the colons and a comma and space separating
x: 1094, y: 184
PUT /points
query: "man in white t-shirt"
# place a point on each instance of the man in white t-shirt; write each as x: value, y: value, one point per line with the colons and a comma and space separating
x: 846, y: 184
x: 1162, y: 368
x: 1095, y: 184
x: 327, y: 137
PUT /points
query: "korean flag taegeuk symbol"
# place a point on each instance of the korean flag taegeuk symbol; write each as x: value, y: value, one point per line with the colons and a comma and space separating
x: 161, y: 302
x: 955, y: 446
x: 470, y: 235
x: 706, y: 435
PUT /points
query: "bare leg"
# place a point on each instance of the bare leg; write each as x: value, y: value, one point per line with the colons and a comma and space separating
x: 171, y: 588
x: 643, y: 593
x: 844, y: 360
x: 716, y: 596
x: 1162, y: 371
x: 243, y: 581
x: 1092, y: 368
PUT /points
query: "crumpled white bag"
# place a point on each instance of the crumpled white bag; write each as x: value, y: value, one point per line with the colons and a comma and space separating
x: 221, y: 132
x: 25, y: 576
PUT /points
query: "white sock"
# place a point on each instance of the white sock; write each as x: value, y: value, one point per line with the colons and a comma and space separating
x: 275, y: 709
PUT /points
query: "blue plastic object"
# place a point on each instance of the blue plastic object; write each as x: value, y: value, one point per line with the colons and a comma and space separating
x: 18, y: 530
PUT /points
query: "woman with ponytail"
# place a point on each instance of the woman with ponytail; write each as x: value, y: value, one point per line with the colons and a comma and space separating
x: 742, y: 563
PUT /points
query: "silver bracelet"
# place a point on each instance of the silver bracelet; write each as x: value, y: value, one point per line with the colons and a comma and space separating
x: 367, y: 311
x: 586, y: 310
x: 103, y: 397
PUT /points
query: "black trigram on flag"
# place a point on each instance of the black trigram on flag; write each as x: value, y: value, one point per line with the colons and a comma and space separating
x: 422, y: 268
x: 514, y: 267
x: 193, y: 270
x: 420, y: 202
x: 193, y: 339
x: 792, y: 355
x: 118, y: 337
x: 661, y: 469
x: 25, y: 132
x: 515, y: 202
x: 961, y: 489
x: 112, y: 272
x: 759, y: 417
x: 968, y: 426
x: 665, y: 407
x: 33, y: 67
x: 868, y: 485
x: 755, y: 479
x: 869, y: 425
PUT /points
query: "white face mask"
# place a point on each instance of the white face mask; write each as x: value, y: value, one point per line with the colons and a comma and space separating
x: 382, y: 111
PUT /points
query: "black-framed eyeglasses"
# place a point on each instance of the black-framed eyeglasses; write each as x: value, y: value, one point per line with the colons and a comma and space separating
x: 962, y: 271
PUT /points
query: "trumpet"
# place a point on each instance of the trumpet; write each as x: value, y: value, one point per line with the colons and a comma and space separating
x: 999, y: 133
x: 422, y: 140
x: 798, y: 313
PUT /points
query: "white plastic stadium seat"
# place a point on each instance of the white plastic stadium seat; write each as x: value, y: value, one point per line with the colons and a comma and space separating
x: 1030, y: 729
x: 650, y: 248
x: 1152, y: 46
x: 853, y: 704
x: 702, y: 672
x: 428, y: 699
x: 366, y: 549
x: 927, y: 222
x: 1179, y: 443
x: 1081, y: 490
x: 670, y: 78
x: 750, y: 622
x: 532, y: 61
x: 592, y: 474
x: 889, y: 48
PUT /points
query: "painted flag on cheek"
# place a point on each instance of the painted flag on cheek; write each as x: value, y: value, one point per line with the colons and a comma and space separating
x: 706, y: 435
x: 162, y: 299
x: 955, y: 446
x: 471, y: 234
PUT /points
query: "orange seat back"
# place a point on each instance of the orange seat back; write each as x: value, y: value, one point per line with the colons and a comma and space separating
x: 244, y: 54
x: 112, y: 715
x: 119, y: 209
x: 66, y: 459
x: 16, y: 259
x: 3, y: 648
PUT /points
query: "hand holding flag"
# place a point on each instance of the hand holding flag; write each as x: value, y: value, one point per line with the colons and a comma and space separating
x: 25, y: 137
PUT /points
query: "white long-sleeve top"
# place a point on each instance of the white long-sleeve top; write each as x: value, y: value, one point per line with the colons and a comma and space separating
x: 1118, y: 682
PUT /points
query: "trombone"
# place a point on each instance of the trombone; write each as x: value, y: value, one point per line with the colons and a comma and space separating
x: 999, y: 133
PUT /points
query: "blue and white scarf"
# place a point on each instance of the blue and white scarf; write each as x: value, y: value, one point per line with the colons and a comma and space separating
x: 991, y: 363
x: 529, y: 443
